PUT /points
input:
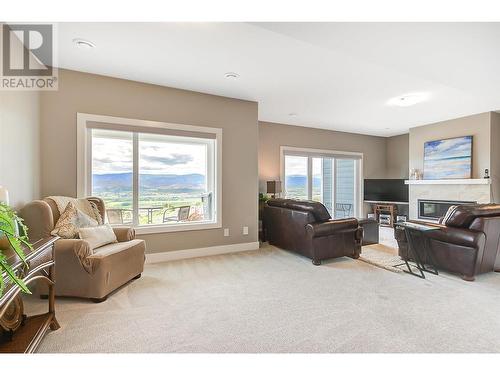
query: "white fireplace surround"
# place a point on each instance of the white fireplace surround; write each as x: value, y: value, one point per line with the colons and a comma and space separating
x: 469, y: 181
x: 477, y: 190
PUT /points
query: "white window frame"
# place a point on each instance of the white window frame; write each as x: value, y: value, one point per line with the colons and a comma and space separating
x: 84, y: 165
x: 313, y: 152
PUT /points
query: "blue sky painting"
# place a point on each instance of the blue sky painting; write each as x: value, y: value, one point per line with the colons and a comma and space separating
x: 448, y: 158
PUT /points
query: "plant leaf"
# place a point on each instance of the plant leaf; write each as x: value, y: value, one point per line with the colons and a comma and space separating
x: 10, y: 226
x: 14, y: 278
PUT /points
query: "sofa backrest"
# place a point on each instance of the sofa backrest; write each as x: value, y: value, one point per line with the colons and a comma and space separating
x: 53, y: 210
x: 464, y: 215
x: 41, y: 216
x: 317, y: 209
x: 37, y: 216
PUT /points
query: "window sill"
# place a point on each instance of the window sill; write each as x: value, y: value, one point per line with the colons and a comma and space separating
x: 150, y: 229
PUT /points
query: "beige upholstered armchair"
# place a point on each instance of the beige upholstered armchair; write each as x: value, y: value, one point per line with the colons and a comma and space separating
x: 80, y: 270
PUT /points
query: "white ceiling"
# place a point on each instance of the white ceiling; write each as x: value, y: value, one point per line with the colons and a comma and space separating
x: 332, y: 75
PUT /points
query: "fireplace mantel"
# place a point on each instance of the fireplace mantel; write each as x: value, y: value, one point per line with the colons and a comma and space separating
x: 465, y: 181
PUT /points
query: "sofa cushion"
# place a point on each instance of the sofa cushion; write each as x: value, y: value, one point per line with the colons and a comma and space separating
x: 317, y: 209
x: 71, y: 220
x: 110, y: 249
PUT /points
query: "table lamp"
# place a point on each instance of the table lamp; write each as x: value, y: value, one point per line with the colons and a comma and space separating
x: 273, y: 187
x: 4, y: 195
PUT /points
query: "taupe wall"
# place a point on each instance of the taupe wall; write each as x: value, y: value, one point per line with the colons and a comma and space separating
x: 397, y: 156
x: 272, y: 136
x: 82, y: 92
x: 476, y: 125
x: 19, y: 145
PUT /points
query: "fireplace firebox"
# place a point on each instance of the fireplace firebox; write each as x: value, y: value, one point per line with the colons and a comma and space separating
x: 434, y: 209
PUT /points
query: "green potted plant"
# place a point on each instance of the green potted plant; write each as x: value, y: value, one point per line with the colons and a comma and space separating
x: 12, y: 236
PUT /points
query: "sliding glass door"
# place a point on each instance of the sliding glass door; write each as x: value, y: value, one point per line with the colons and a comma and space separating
x: 332, y: 179
x: 345, y: 185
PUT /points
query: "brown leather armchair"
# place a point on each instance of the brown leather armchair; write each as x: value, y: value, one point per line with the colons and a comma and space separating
x: 307, y: 228
x: 467, y: 243
x: 80, y: 270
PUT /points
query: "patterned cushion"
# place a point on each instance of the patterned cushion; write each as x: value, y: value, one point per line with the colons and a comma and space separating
x: 449, y: 214
x: 71, y: 220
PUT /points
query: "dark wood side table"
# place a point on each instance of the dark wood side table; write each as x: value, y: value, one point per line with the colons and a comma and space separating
x: 19, y: 333
x: 418, y: 248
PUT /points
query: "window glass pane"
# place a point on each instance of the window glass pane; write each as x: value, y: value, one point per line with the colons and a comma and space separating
x: 112, y: 168
x: 328, y: 184
x: 174, y: 185
x: 317, y: 179
x: 344, y: 187
x: 296, y: 177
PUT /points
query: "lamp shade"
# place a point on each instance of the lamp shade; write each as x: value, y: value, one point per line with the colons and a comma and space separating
x: 274, y: 187
x: 4, y: 195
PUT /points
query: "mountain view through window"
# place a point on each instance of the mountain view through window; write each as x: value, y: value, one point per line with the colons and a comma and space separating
x: 173, y: 182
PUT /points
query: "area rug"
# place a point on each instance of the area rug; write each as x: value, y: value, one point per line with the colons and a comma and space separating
x: 381, y: 256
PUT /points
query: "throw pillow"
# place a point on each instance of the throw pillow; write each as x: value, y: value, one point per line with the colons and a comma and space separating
x: 71, y: 220
x: 98, y: 236
x: 449, y: 214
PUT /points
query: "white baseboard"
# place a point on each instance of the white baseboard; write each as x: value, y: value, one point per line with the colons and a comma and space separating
x: 200, y: 252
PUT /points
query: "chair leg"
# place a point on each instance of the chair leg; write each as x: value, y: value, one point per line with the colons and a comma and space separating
x: 137, y: 277
x: 99, y: 300
x: 316, y: 262
x: 468, y: 278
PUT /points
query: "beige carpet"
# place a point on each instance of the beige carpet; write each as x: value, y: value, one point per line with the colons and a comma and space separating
x: 275, y: 301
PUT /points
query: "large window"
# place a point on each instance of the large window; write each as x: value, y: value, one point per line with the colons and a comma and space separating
x: 155, y: 178
x: 332, y: 178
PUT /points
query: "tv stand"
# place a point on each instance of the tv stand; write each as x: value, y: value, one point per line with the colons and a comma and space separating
x: 385, y: 213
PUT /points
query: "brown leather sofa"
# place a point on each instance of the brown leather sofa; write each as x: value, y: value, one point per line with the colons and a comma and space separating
x: 81, y: 271
x: 467, y: 243
x: 307, y: 228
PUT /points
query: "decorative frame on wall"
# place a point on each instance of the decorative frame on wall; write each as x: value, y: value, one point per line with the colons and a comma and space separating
x: 449, y: 158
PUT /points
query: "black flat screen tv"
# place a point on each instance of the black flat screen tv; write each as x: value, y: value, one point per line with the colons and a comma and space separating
x: 385, y: 190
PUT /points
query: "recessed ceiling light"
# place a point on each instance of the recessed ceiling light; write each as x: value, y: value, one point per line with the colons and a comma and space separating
x: 409, y: 99
x: 231, y: 75
x: 83, y: 44
x: 292, y: 114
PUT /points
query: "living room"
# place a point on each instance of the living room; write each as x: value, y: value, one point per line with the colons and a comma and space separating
x: 186, y: 196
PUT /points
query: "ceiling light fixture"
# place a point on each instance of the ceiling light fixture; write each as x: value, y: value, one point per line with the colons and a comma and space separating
x: 231, y: 75
x: 83, y: 44
x: 409, y: 99
x: 292, y: 114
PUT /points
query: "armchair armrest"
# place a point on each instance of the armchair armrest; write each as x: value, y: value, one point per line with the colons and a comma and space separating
x: 66, y: 248
x: 459, y: 236
x: 331, y: 227
x: 124, y: 234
